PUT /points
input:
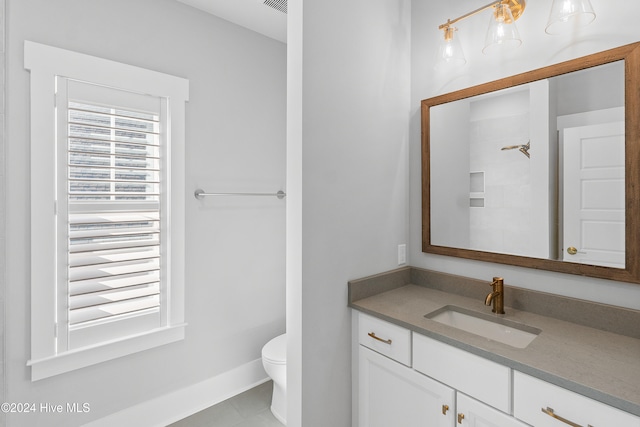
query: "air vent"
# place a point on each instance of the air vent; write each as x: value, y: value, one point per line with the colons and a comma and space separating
x: 280, y: 5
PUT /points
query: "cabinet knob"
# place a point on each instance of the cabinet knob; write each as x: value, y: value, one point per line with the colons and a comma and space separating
x: 445, y: 408
x: 460, y: 418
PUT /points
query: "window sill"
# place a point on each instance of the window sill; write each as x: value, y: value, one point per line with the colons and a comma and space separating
x: 87, y: 356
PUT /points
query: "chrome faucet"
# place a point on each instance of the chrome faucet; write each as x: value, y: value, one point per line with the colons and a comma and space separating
x: 496, y: 296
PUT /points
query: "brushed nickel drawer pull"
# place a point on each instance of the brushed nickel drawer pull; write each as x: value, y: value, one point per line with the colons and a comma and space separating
x: 373, y: 335
x: 549, y: 411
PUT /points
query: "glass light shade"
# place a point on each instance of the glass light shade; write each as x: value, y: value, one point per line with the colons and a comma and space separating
x: 569, y: 14
x: 503, y: 33
x: 450, y: 52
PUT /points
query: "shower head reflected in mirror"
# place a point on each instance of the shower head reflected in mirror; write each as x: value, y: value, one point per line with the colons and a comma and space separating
x: 524, y: 149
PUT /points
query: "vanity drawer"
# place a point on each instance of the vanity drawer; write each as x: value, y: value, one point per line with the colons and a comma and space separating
x: 473, y: 375
x: 532, y: 396
x: 386, y: 338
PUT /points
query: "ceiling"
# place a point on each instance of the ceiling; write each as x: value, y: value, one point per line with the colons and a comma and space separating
x: 252, y: 14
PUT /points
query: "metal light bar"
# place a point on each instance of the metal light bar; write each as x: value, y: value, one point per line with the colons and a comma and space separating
x: 516, y: 6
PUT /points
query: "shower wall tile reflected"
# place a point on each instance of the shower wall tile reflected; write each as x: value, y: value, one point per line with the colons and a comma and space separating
x: 501, y: 225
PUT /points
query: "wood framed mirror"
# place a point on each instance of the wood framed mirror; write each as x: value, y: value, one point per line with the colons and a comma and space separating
x: 540, y: 169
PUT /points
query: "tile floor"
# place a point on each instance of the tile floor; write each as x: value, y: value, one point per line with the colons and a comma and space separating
x: 248, y: 409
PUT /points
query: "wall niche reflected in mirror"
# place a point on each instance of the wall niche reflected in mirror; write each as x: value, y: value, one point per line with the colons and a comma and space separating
x: 535, y: 170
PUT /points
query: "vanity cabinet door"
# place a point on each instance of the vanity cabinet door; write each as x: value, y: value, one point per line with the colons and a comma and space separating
x: 391, y: 394
x: 471, y: 413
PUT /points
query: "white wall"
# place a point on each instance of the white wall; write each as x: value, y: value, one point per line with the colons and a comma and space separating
x: 235, y: 291
x: 538, y: 50
x: 450, y: 144
x: 3, y: 229
x: 571, y: 98
x: 347, y: 183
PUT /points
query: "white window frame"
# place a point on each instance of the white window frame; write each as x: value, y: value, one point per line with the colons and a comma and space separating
x: 46, y: 63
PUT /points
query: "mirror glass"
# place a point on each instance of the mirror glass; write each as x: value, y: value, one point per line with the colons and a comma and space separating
x: 539, y: 169
x: 533, y: 170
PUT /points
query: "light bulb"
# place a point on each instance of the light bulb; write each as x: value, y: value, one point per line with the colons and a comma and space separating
x: 567, y: 15
x: 502, y: 33
x: 450, y: 52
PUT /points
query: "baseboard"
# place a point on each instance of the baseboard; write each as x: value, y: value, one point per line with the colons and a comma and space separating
x: 179, y: 404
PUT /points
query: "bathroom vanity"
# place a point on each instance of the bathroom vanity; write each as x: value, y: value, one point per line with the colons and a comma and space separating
x: 415, y: 367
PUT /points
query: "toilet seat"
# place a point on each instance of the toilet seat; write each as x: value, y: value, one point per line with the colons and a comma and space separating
x: 275, y: 351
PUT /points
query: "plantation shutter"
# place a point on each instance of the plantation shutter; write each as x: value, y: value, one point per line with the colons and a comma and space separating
x: 114, y: 232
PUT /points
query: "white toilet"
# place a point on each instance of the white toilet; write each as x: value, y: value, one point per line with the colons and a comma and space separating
x: 274, y: 360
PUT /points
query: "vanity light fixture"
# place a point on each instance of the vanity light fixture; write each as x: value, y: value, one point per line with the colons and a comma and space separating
x: 502, y: 32
x: 569, y: 14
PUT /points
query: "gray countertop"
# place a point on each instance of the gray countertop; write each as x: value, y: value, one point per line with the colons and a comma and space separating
x: 602, y: 365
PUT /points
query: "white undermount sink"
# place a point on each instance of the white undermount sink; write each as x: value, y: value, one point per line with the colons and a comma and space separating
x: 486, y: 325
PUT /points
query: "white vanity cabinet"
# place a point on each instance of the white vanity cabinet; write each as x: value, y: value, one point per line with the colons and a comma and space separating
x: 386, y: 338
x: 406, y: 379
x: 471, y: 413
x: 392, y: 395
x: 390, y: 392
x: 546, y: 405
x: 473, y: 375
x: 488, y: 382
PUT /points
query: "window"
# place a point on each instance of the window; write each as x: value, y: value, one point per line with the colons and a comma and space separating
x: 107, y: 194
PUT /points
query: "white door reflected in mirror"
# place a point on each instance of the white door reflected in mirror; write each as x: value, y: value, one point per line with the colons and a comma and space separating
x: 594, y: 195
